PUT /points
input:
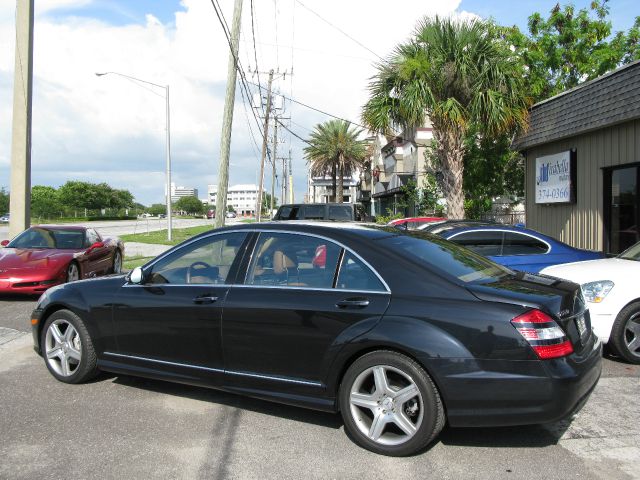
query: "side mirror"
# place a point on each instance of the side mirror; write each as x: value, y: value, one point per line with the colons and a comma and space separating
x: 94, y: 246
x: 136, y: 276
x: 4, y: 243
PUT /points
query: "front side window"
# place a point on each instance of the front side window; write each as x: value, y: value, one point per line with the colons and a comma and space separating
x: 293, y: 260
x: 520, y: 244
x: 206, y: 261
x: 340, y: 213
x: 92, y: 237
x: 355, y: 275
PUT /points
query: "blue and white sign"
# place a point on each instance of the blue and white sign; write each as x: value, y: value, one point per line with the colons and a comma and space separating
x: 553, y: 178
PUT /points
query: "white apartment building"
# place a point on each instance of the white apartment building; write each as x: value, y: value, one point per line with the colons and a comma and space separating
x: 181, y: 191
x: 242, y: 198
x: 320, y: 189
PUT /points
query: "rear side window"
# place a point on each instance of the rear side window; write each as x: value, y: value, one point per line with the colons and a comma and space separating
x: 485, y: 242
x: 293, y: 260
x: 314, y: 212
x: 520, y: 244
x: 355, y: 275
x: 340, y: 213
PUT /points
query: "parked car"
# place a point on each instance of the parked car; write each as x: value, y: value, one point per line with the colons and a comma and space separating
x: 398, y: 330
x: 610, y: 287
x: 231, y: 215
x: 46, y: 255
x: 211, y: 214
x: 411, y: 223
x: 514, y: 247
x: 341, y: 212
x: 5, y: 218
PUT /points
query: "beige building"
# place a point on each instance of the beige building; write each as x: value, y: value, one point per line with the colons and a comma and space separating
x: 582, y: 154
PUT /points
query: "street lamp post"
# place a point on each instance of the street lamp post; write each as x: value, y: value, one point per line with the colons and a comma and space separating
x: 168, y: 142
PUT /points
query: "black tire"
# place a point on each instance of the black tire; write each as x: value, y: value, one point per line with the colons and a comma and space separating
x: 76, y: 372
x: 625, y: 334
x: 427, y: 419
x: 117, y: 261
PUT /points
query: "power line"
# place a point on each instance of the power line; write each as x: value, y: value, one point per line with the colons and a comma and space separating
x: 255, y: 52
x: 340, y: 30
x: 292, y: 132
x: 318, y: 110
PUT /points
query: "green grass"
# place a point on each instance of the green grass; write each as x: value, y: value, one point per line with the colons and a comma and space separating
x: 133, y: 262
x: 160, y: 236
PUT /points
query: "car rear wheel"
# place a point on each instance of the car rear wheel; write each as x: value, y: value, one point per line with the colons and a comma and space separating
x: 389, y: 404
x: 117, y: 262
x: 73, y: 272
x: 67, y: 348
x: 625, y: 334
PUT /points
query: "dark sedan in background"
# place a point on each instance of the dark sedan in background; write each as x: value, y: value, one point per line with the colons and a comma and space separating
x: 399, y: 331
x: 515, y: 247
x: 46, y: 255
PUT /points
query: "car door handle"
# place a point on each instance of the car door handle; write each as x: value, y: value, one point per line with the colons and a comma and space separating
x: 353, y: 303
x: 204, y: 299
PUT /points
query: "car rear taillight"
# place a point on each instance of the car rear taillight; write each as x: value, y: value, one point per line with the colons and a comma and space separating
x: 544, y: 335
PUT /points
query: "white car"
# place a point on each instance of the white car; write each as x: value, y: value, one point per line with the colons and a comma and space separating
x: 611, y: 287
x: 5, y: 218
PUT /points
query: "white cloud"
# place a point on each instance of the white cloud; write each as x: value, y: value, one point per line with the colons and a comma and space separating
x: 110, y: 129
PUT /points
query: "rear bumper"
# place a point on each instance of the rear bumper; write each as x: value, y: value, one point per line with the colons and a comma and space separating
x: 503, y: 393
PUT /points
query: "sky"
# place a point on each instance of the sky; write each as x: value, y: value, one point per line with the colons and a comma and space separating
x: 110, y: 129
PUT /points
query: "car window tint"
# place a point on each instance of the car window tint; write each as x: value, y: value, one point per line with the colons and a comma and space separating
x: 340, y: 213
x: 293, y: 260
x: 355, y: 275
x: 445, y: 257
x: 484, y: 242
x: 520, y: 244
x: 206, y: 261
x: 284, y: 213
x: 314, y: 212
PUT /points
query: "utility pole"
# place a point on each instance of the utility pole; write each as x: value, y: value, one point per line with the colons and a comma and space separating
x: 284, y: 178
x: 290, y: 179
x: 264, y: 148
x: 20, y: 203
x: 273, y: 161
x: 225, y: 143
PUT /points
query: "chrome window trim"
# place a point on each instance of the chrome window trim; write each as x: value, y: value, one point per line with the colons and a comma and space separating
x: 258, y: 231
x: 322, y: 237
x: 507, y: 231
x: 312, y: 289
x: 219, y: 370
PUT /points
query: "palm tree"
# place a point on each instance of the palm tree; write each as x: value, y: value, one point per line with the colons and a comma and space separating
x: 458, y: 74
x: 334, y: 149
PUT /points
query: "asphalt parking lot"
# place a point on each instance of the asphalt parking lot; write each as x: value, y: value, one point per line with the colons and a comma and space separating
x: 125, y: 427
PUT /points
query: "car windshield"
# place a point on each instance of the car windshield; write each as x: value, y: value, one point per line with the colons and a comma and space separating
x: 445, y: 256
x: 631, y: 253
x: 36, y: 237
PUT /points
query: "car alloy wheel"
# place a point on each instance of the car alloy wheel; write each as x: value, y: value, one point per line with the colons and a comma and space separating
x: 67, y: 348
x: 63, y: 348
x: 117, y: 262
x: 73, y: 273
x: 390, y: 414
x: 389, y: 404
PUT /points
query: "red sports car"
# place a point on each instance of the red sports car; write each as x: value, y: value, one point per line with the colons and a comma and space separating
x: 47, y: 255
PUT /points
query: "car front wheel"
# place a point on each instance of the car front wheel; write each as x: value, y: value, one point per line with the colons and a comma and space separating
x: 73, y: 272
x: 67, y: 348
x: 389, y: 404
x: 625, y: 334
x: 117, y: 262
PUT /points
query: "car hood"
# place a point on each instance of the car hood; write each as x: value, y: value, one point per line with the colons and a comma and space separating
x: 593, y: 270
x: 12, y: 259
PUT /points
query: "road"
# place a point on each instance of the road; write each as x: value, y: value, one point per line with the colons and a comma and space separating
x: 125, y: 427
x: 142, y: 225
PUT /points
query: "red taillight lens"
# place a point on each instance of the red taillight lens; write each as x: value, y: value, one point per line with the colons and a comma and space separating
x: 544, y: 335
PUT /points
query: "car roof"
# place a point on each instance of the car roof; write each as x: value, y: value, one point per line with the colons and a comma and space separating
x: 60, y: 227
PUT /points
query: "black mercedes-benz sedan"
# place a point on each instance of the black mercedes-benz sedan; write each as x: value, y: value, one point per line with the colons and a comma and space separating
x: 400, y: 331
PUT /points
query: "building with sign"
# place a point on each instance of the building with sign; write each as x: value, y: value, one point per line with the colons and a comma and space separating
x: 582, y: 151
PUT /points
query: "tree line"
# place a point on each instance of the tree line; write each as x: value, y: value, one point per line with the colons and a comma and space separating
x: 475, y: 81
